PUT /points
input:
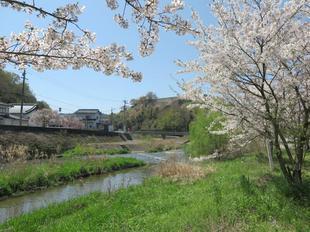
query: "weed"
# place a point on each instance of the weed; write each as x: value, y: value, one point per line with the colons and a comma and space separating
x: 177, y: 171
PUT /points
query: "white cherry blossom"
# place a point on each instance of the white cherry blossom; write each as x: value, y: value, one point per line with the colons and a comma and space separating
x: 254, y: 67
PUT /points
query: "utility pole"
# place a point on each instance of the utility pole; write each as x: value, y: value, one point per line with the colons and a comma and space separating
x: 112, y: 118
x: 124, y: 117
x: 22, y: 100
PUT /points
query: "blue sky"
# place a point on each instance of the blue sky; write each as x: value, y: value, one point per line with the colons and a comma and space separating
x: 73, y: 89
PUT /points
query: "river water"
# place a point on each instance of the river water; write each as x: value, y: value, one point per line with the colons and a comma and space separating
x: 15, y: 206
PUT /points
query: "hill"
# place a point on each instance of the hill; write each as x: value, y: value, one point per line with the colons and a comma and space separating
x: 11, y: 90
x: 152, y: 113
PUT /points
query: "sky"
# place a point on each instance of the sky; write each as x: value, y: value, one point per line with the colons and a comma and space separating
x: 85, y: 88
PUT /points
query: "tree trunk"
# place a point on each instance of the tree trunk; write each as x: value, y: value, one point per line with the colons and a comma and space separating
x: 269, y: 147
x: 285, y: 170
x: 299, y: 161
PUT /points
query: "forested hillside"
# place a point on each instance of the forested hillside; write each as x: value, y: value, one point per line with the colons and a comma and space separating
x: 152, y: 113
x: 11, y: 90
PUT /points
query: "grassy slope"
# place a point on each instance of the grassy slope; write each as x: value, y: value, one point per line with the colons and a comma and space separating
x: 28, y: 177
x: 223, y: 201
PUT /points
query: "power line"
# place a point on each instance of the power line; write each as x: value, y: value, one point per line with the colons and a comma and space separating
x: 61, y: 85
x: 53, y: 99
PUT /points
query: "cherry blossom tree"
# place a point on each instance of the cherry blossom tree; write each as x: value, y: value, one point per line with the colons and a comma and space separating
x: 150, y: 16
x: 253, y: 66
x: 58, y: 46
x: 65, y: 44
x: 44, y: 118
x: 71, y: 122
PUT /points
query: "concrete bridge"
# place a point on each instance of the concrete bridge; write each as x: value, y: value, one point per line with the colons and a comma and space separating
x: 128, y: 135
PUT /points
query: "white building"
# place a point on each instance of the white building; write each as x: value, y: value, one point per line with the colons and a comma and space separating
x: 10, y: 114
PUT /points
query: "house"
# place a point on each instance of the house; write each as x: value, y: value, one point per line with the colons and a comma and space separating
x: 4, y: 109
x: 28, y: 109
x: 6, y: 118
x: 90, y: 117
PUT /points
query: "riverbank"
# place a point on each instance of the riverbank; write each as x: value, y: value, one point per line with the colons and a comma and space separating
x: 240, y: 195
x: 25, y: 177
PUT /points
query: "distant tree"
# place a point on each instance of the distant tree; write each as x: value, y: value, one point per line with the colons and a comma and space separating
x: 42, y: 105
x: 11, y: 89
x: 174, y: 119
x: 149, y: 113
x: 44, y: 118
x: 71, y: 122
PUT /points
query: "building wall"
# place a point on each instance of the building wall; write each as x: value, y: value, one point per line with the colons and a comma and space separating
x: 12, y: 122
x: 91, y: 121
x: 4, y: 109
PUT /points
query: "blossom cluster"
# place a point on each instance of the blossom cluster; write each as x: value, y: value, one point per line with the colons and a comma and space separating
x: 58, y: 47
x: 150, y: 15
x: 254, y: 67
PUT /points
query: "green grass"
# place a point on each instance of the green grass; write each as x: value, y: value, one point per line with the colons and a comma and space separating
x: 241, y: 195
x: 80, y: 150
x: 31, y: 176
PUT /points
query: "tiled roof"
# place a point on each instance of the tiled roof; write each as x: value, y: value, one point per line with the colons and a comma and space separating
x: 87, y: 111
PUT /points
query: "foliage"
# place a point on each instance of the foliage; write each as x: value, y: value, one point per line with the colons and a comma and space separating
x: 81, y: 150
x: 174, y: 119
x: 202, y: 140
x: 11, y: 89
x: 31, y: 176
x: 222, y: 201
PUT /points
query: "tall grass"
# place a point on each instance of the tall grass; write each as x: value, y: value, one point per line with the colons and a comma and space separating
x: 180, y: 171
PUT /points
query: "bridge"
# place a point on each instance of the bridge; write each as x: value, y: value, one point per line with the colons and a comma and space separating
x: 128, y: 135
x: 159, y: 132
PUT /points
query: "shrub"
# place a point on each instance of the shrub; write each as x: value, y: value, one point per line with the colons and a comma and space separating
x: 202, y: 141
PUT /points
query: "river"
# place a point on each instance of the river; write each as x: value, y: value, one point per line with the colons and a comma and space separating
x: 15, y: 206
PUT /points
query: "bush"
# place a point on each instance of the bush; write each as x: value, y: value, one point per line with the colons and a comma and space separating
x: 202, y: 142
